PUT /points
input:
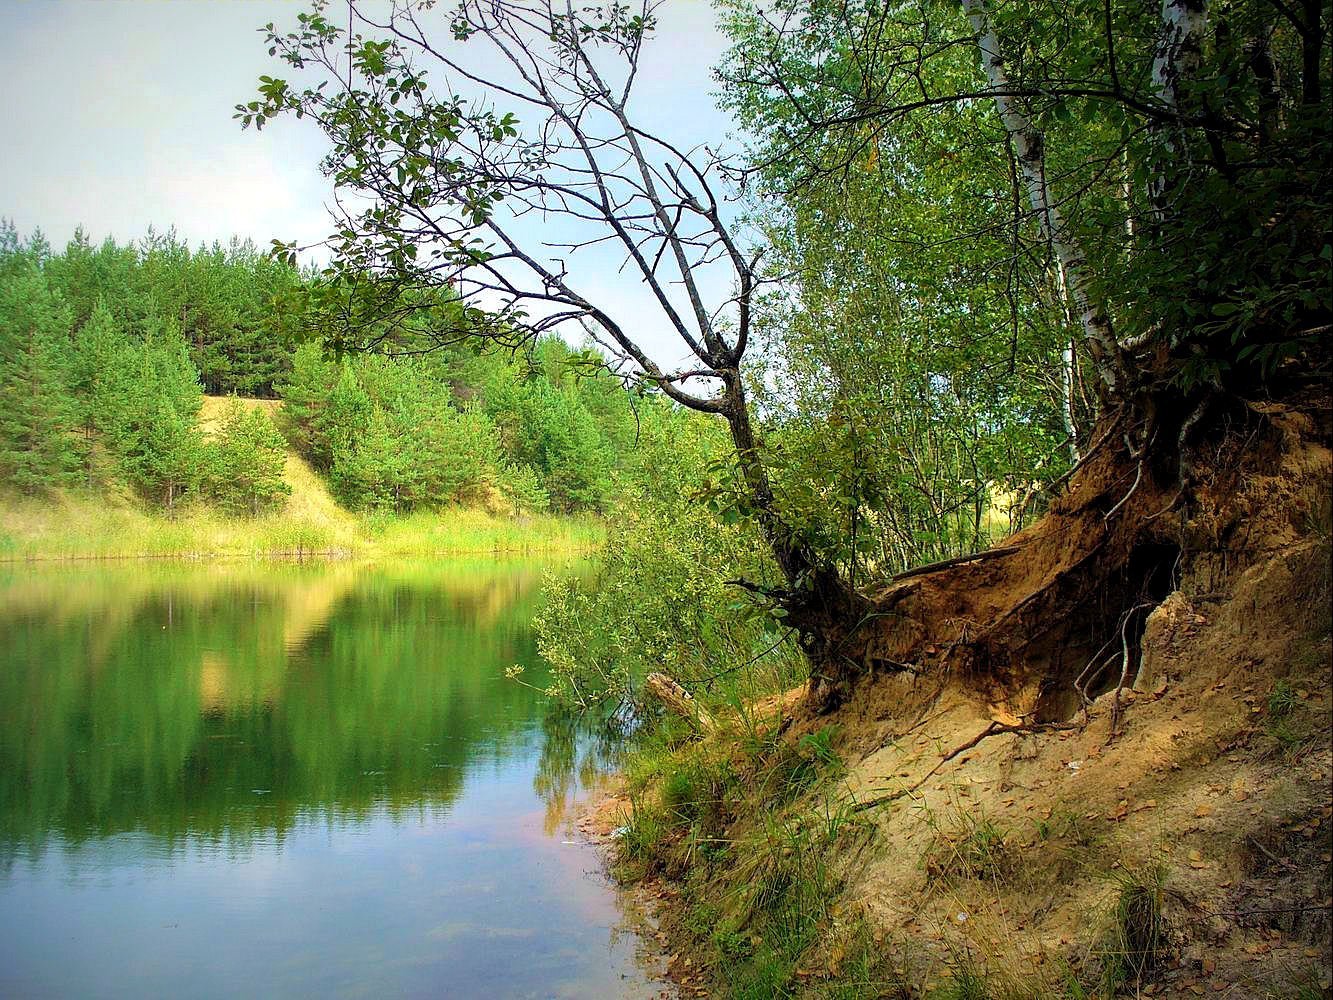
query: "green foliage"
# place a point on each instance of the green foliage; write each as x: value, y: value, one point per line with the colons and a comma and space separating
x: 547, y: 427
x: 966, y: 982
x: 1203, y: 225
x: 36, y: 450
x: 403, y: 433
x: 107, y: 351
x: 661, y: 599
x: 389, y: 431
x: 522, y: 484
x: 307, y: 392
x: 152, y: 417
x: 227, y: 301
x: 245, y: 462
x: 1282, y: 700
x: 99, y: 357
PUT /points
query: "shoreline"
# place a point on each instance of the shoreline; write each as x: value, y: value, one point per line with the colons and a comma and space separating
x: 294, y: 555
x: 76, y: 527
x: 646, y: 902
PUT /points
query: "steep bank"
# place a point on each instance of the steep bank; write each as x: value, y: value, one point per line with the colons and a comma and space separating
x: 112, y: 523
x: 1061, y: 797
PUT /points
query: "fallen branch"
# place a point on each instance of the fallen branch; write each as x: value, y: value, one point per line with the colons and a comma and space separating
x: 677, y: 700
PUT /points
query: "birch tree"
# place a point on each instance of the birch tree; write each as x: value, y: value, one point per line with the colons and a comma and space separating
x: 1170, y: 155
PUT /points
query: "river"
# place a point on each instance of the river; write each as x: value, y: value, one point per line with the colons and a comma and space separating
x: 265, y: 779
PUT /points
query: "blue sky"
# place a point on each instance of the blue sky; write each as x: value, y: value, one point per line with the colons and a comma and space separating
x: 117, y: 116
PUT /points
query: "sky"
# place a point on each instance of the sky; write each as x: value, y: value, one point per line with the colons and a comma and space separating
x: 117, y: 115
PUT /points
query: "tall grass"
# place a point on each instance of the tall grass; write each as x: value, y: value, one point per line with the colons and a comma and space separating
x: 463, y: 531
x: 74, y: 526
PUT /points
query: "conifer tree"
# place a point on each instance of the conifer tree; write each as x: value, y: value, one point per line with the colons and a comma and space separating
x: 156, y: 434
x: 36, y: 449
x: 306, y: 394
x: 370, y: 471
x: 97, y: 360
x: 246, y: 462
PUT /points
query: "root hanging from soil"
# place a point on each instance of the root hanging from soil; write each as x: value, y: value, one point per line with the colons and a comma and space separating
x: 1056, y: 616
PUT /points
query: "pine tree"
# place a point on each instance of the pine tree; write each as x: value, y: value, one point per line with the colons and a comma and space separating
x: 371, y: 470
x: 97, y: 360
x: 246, y: 462
x: 36, y: 448
x: 307, y: 394
x: 155, y: 432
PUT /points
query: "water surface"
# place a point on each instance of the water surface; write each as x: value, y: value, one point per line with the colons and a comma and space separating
x: 229, y: 780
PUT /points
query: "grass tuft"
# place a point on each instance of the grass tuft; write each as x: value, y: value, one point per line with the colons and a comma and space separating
x: 973, y: 847
x: 1136, y: 941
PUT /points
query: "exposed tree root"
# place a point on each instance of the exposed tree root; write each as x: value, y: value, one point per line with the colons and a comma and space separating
x: 1040, y: 614
x: 994, y: 729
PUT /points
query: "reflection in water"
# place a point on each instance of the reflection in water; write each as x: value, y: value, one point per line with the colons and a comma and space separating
x: 288, y: 778
x: 576, y: 755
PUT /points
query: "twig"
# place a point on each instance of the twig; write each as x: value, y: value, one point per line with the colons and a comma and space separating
x: 1271, y: 856
x: 993, y: 729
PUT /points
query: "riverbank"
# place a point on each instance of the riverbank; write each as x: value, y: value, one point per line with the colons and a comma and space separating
x: 72, y: 525
x: 110, y: 522
x: 942, y: 835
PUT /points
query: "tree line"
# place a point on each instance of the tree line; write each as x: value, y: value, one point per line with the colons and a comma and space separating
x: 106, y: 354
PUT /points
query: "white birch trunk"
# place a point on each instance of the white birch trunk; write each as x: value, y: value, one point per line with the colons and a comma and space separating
x: 1179, y: 51
x: 1030, y: 148
x: 1180, y: 48
x: 1068, y: 374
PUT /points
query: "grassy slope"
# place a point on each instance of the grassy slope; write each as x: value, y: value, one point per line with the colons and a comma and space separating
x: 78, y: 524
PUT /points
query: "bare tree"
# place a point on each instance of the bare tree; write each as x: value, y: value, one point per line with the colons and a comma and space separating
x: 440, y: 191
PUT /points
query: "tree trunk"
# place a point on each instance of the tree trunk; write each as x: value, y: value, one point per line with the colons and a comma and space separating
x: 676, y: 699
x: 823, y: 608
x: 1030, y: 151
x: 1179, y: 51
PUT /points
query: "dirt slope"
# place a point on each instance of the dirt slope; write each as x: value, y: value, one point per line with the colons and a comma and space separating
x: 1099, y: 764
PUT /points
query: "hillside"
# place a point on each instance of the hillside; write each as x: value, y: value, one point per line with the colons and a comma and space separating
x: 76, y: 523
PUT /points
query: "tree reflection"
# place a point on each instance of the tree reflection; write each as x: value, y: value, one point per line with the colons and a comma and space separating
x: 227, y: 702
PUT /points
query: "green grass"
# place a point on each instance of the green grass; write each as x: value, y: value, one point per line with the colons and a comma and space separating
x: 79, y: 526
x: 1292, y: 727
x: 757, y: 900
x: 1136, y: 939
x: 460, y: 531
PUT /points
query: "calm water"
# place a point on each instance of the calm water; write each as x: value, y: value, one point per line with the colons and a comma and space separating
x: 282, y: 780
